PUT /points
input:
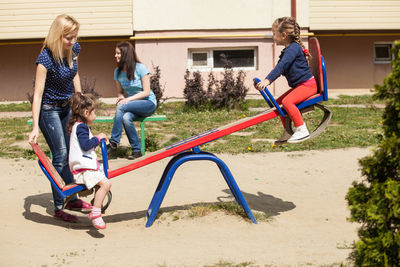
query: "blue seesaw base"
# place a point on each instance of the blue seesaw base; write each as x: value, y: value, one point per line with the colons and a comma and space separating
x: 170, y: 170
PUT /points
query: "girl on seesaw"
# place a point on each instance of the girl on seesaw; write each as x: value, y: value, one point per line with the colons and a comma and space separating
x: 82, y: 155
x: 293, y: 64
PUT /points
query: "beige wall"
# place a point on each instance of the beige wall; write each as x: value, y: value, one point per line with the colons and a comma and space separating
x: 21, y: 19
x: 350, y: 61
x: 17, y: 68
x: 172, y: 57
x: 354, y: 15
x: 156, y: 15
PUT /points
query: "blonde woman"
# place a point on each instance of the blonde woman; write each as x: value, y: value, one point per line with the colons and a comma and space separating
x: 56, y: 81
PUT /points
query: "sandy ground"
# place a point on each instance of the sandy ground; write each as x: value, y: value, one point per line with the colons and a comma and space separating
x: 303, y: 191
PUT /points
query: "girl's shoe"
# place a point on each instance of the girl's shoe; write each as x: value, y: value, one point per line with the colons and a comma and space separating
x: 62, y: 215
x: 97, y: 221
x: 299, y: 135
x: 283, y: 139
x: 79, y: 205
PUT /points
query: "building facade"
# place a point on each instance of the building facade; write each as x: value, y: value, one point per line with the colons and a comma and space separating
x: 356, y: 37
x: 173, y: 34
x: 191, y: 34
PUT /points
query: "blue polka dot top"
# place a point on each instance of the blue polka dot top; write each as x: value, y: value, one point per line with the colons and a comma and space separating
x: 59, y: 84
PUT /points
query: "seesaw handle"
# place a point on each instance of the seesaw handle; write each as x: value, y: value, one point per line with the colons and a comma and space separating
x: 269, y: 98
x: 104, y: 155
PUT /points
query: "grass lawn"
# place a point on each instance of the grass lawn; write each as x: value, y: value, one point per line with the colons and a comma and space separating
x: 349, y: 127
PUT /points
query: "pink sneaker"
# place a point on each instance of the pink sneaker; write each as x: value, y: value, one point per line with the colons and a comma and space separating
x: 92, y: 217
x: 62, y: 215
x: 79, y: 205
x: 98, y: 221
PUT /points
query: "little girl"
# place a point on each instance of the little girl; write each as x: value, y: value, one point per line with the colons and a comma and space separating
x: 82, y: 156
x: 294, y: 66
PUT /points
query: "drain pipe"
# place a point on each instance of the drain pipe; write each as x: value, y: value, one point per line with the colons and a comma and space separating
x: 293, y: 8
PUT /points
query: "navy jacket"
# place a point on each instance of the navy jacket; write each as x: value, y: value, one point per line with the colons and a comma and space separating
x: 293, y: 65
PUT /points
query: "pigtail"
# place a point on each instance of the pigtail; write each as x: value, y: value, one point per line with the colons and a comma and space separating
x: 290, y: 26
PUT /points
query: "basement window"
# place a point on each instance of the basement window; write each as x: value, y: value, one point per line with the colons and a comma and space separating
x: 216, y: 58
x: 382, y: 53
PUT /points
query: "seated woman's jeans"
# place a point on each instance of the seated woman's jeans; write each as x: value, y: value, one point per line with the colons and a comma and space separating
x: 124, y: 116
x: 52, y: 123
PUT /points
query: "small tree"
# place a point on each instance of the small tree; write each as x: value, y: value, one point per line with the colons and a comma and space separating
x: 155, y: 84
x: 194, y: 94
x: 375, y: 201
x: 89, y: 87
x: 230, y: 92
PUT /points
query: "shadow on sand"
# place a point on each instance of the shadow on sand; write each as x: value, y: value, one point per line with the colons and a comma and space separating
x: 260, y: 202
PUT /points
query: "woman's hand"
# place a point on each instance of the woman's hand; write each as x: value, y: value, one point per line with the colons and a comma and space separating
x: 261, y: 85
x: 33, y: 136
x: 40, y: 79
x: 123, y: 101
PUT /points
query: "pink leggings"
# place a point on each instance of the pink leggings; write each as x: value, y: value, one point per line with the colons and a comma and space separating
x: 294, y: 96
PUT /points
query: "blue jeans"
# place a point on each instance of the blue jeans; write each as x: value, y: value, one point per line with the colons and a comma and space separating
x: 124, y: 116
x: 52, y: 122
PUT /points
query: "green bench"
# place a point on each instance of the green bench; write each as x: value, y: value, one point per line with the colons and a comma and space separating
x: 142, y: 125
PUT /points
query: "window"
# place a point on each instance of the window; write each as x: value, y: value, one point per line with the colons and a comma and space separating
x: 382, y: 53
x: 238, y: 58
x: 200, y: 59
x: 215, y: 59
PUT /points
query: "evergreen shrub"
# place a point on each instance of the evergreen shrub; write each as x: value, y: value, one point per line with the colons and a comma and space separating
x: 374, y: 202
x: 155, y: 84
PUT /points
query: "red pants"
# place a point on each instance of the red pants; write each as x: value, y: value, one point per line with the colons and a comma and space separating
x: 294, y: 96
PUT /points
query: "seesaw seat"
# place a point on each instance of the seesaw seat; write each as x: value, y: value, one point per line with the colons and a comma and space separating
x: 67, y: 191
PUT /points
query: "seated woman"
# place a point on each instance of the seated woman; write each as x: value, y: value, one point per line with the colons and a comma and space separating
x: 135, y: 98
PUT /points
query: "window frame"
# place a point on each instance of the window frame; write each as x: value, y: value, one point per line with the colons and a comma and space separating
x: 210, y: 58
x: 383, y: 60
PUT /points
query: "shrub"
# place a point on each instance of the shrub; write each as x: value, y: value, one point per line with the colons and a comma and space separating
x: 155, y: 84
x: 375, y: 201
x: 194, y: 94
x: 152, y: 142
x: 229, y: 92
x: 89, y: 87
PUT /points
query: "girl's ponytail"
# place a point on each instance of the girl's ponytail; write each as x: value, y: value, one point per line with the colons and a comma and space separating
x: 290, y: 26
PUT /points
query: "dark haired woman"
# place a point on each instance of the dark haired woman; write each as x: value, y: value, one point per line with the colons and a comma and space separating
x: 135, y: 98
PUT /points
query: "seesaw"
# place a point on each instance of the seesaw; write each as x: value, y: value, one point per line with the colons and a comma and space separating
x: 188, y: 149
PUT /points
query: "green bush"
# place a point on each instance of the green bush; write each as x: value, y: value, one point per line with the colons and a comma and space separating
x: 155, y: 84
x: 229, y: 92
x: 375, y: 201
x: 193, y: 92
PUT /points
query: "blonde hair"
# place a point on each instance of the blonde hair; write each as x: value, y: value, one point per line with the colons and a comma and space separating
x: 289, y: 26
x: 61, y: 26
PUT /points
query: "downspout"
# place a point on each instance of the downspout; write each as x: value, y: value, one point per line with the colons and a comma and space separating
x: 293, y: 8
x: 293, y: 14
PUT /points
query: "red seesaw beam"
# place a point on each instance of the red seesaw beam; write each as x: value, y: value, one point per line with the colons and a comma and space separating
x: 194, y: 141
